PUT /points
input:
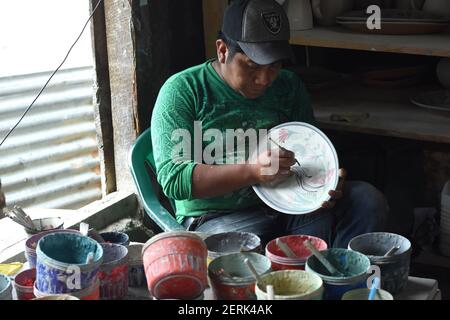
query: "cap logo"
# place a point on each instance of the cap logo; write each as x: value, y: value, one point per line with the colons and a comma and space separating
x: 272, y: 22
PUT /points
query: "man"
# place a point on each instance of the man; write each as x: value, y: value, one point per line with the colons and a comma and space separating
x: 246, y: 88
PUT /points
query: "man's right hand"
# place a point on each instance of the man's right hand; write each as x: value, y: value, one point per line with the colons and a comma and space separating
x: 272, y: 165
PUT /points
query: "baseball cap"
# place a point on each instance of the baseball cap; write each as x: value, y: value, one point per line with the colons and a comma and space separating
x: 261, y: 28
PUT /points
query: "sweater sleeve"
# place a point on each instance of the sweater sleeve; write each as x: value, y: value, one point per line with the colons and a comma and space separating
x: 172, y: 126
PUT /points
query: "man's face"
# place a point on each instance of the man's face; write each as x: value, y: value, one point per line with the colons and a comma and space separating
x: 248, y: 78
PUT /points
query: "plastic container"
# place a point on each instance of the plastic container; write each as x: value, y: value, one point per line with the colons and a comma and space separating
x: 175, y: 265
x: 45, y: 224
x: 363, y: 294
x: 116, y: 237
x: 24, y: 283
x: 5, y: 288
x: 231, y: 242
x: 31, y: 244
x: 295, y: 242
x: 61, y: 257
x: 113, y: 272
x: 291, y: 285
x: 354, y: 265
x: 395, y: 268
x: 231, y: 279
x: 136, y: 273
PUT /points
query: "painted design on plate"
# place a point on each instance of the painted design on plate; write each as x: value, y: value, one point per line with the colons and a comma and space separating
x: 305, y: 191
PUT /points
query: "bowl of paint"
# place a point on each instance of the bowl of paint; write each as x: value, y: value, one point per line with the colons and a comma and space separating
x: 394, y: 268
x: 353, y: 265
x: 113, y: 272
x: 136, y: 273
x: 45, y: 224
x: 116, y: 237
x: 296, y: 243
x: 290, y: 285
x: 5, y: 288
x: 175, y: 265
x: 231, y: 242
x: 61, y: 254
x: 363, y: 294
x: 230, y: 277
x: 24, y: 283
x: 32, y: 242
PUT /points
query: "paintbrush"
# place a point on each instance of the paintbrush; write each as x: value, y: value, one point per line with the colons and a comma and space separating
x: 331, y: 269
x: 283, y: 149
x: 373, y: 289
x: 26, y: 217
x: 253, y: 270
x: 285, y: 248
x: 392, y: 251
x: 270, y: 292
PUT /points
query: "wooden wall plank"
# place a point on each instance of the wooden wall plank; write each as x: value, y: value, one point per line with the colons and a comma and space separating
x: 212, y: 22
x: 102, y: 99
x: 122, y: 72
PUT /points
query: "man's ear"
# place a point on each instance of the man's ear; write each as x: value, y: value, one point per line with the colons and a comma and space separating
x: 222, y: 51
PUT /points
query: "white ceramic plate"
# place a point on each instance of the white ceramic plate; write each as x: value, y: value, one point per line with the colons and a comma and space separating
x: 320, y: 164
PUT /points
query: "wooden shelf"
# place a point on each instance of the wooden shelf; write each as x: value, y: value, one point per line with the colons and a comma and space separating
x: 391, y: 113
x: 437, y: 44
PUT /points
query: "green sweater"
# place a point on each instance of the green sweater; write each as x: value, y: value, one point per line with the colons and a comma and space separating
x: 199, y: 94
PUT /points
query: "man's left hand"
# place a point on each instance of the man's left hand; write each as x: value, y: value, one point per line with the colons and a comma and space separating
x: 336, y: 194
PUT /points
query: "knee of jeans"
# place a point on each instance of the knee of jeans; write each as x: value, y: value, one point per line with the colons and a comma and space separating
x: 372, y: 202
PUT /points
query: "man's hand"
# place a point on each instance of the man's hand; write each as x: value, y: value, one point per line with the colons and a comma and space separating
x: 273, y: 165
x: 336, y: 194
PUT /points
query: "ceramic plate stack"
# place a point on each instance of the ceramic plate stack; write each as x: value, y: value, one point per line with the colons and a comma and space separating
x: 435, y: 100
x: 395, y: 21
x: 445, y: 220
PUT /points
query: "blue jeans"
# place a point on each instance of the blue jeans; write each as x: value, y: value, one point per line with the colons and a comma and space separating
x: 362, y: 209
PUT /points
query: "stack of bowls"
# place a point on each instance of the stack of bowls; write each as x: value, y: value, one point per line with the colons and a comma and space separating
x: 296, y: 244
x: 353, y: 265
x: 231, y: 242
x: 290, y: 285
x: 175, y: 265
x: 68, y: 263
x: 231, y: 278
x: 394, y: 268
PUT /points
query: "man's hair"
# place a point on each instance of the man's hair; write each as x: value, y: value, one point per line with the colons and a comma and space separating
x: 233, y: 46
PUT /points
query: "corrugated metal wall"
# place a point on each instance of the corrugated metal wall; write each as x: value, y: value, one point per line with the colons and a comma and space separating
x: 51, y: 159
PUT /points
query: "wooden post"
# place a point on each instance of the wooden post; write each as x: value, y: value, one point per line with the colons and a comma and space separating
x: 102, y: 100
x: 122, y: 75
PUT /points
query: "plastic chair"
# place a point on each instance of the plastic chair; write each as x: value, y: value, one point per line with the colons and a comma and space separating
x: 142, y: 164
